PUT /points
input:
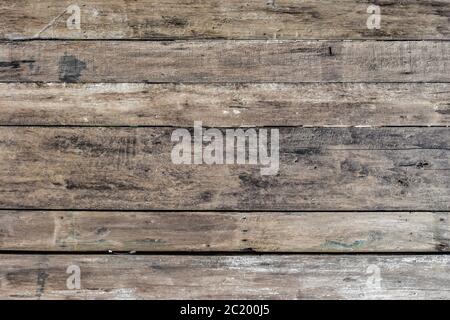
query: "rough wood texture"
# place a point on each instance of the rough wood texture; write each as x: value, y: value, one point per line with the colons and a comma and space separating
x: 227, y: 277
x: 233, y: 19
x: 85, y: 129
x: 225, y: 105
x: 225, y: 231
x: 131, y: 168
x: 225, y: 61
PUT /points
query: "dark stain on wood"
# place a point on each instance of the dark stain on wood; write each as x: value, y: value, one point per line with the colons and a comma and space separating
x: 15, y: 64
x: 70, y: 68
x: 42, y: 277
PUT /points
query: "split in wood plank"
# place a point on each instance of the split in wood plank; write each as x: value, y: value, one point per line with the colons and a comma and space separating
x: 225, y: 61
x: 231, y: 19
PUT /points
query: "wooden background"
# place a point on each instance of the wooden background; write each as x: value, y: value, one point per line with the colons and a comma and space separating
x: 86, y: 177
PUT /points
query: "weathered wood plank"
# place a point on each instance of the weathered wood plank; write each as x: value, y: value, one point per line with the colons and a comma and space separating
x: 227, y: 277
x: 131, y: 168
x: 225, y: 61
x: 225, y: 231
x: 233, y: 19
x: 225, y: 105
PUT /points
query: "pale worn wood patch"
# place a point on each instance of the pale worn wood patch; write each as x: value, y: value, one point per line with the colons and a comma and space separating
x: 232, y: 19
x: 225, y: 231
x: 225, y: 61
x: 227, y: 277
x: 225, y: 105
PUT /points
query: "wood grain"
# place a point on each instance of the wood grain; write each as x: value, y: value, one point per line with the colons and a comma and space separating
x: 225, y: 61
x: 225, y: 231
x: 85, y: 127
x: 225, y: 105
x: 232, y: 19
x: 226, y: 277
x: 130, y: 168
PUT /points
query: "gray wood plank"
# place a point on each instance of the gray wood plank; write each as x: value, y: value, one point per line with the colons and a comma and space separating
x: 131, y: 168
x: 225, y: 61
x: 227, y: 277
x: 233, y: 19
x: 225, y: 231
x: 225, y: 105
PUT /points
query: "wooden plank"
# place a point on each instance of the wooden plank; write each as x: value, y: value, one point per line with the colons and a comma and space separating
x: 233, y: 19
x: 227, y: 277
x: 225, y: 231
x: 225, y: 61
x: 131, y: 168
x: 225, y: 105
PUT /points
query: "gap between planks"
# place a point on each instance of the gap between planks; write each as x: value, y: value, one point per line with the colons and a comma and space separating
x: 219, y: 253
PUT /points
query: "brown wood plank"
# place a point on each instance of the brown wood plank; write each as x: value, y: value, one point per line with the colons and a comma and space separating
x: 225, y: 231
x: 227, y: 277
x: 233, y: 19
x: 225, y: 105
x: 225, y: 61
x: 130, y: 168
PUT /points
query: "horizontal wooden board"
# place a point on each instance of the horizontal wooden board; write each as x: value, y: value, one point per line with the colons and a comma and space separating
x: 233, y: 19
x: 225, y: 231
x: 131, y: 168
x: 225, y: 105
x: 225, y: 61
x: 226, y: 277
